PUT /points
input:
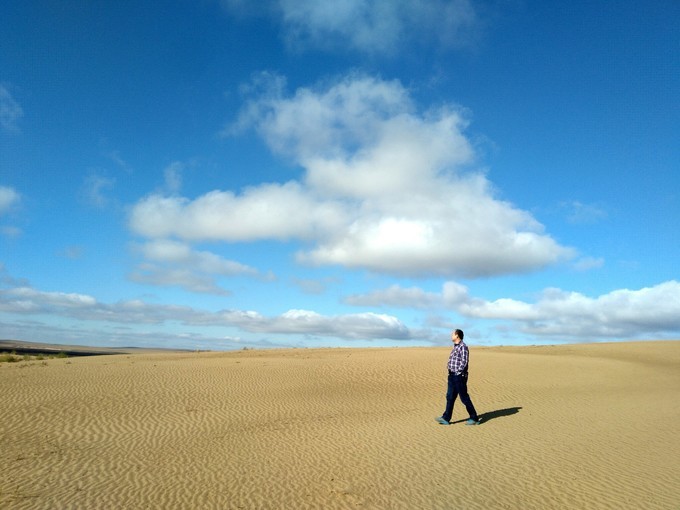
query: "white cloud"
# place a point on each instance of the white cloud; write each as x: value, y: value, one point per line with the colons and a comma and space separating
x: 357, y: 23
x: 120, y: 336
x: 169, y: 251
x: 398, y: 297
x: 329, y: 121
x: 369, y: 26
x: 173, y: 263
x: 10, y: 111
x: 620, y: 314
x: 364, y: 326
x: 270, y: 211
x: 385, y: 188
x: 28, y: 300
x: 361, y: 326
x: 452, y: 296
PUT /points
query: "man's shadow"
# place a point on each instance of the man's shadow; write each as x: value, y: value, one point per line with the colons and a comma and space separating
x: 492, y: 415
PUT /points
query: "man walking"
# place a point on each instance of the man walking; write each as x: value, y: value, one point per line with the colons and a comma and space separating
x: 457, y: 384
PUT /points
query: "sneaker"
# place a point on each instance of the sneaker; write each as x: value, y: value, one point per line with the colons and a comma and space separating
x: 473, y: 422
x: 441, y: 421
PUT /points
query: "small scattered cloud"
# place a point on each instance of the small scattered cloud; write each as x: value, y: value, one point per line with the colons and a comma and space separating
x: 72, y: 252
x: 119, y: 161
x: 6, y: 280
x: 10, y: 111
x: 10, y: 231
x: 95, y: 190
x: 9, y: 198
x: 579, y: 213
x: 187, y: 279
x: 313, y: 286
x: 588, y: 263
x: 173, y: 177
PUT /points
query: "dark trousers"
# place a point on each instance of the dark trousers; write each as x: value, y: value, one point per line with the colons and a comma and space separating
x: 458, y: 386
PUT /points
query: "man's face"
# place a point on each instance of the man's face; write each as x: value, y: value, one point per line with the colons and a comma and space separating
x: 454, y: 338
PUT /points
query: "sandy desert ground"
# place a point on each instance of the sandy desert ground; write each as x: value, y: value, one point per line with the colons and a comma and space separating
x: 580, y: 427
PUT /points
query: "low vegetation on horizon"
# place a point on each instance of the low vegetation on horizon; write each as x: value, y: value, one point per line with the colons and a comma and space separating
x: 13, y: 357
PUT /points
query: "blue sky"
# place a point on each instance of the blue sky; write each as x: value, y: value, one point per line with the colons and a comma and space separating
x: 290, y: 173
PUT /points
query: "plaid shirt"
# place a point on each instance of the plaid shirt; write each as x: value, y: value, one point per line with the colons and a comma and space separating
x: 458, y: 359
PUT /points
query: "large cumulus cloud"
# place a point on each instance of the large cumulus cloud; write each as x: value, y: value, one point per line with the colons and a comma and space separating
x: 386, y: 187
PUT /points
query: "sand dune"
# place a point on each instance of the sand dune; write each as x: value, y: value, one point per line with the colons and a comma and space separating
x: 587, y: 427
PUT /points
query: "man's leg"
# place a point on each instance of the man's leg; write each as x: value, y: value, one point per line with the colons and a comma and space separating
x: 461, y: 384
x: 451, y: 394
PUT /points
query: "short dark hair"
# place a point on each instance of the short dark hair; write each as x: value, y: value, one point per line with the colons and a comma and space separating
x: 460, y: 333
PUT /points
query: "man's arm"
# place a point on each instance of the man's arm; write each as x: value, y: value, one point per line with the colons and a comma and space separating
x: 464, y: 356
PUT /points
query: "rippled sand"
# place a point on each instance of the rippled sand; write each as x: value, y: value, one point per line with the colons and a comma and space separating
x: 582, y: 427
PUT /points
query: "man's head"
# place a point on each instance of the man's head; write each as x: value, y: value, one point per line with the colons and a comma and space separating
x: 457, y: 336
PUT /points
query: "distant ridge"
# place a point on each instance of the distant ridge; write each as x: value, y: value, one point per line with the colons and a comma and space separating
x: 21, y: 347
